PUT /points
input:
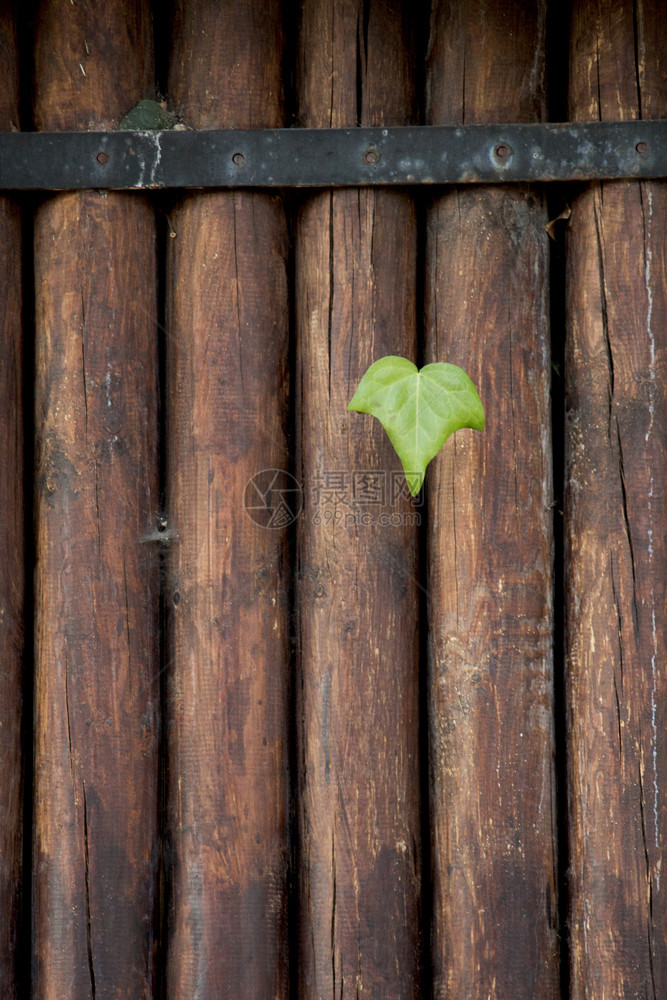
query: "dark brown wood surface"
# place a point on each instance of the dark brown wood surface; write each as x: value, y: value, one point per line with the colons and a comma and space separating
x: 229, y: 577
x: 616, y: 524
x: 12, y: 577
x: 215, y: 910
x: 358, y: 783
x: 96, y: 846
x: 494, y: 922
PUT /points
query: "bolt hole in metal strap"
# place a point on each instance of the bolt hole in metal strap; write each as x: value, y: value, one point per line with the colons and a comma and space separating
x: 471, y: 154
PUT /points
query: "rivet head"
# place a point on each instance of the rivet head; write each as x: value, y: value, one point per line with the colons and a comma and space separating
x: 238, y: 159
x: 502, y: 151
x: 102, y: 157
x: 641, y: 148
x: 371, y: 156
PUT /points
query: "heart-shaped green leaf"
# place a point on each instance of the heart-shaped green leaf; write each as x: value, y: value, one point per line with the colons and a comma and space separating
x: 418, y: 409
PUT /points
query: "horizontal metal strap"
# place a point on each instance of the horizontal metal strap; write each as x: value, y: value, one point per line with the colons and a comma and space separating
x: 294, y: 157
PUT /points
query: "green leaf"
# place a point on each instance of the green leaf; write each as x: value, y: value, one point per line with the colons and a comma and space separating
x: 418, y: 409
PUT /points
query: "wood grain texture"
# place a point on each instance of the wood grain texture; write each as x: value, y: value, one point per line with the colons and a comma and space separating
x: 12, y: 577
x: 358, y: 792
x: 494, y: 932
x: 225, y: 64
x: 89, y: 70
x: 96, y: 846
x: 9, y: 69
x: 616, y: 524
x: 485, y: 63
x: 229, y: 577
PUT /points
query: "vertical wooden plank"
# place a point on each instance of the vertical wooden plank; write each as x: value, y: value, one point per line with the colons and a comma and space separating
x: 228, y: 335
x: 494, y: 931
x: 96, y: 682
x: 359, y: 826
x: 11, y: 533
x: 616, y: 523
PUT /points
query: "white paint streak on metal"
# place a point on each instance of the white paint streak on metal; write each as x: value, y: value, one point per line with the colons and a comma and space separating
x: 156, y: 138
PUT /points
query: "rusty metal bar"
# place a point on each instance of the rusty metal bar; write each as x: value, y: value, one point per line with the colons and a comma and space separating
x: 283, y: 158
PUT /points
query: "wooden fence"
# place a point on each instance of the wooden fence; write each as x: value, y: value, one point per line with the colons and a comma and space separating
x: 269, y: 728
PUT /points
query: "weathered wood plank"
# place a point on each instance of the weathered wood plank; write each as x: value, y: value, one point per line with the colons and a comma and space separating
x: 229, y: 577
x: 493, y: 843
x: 616, y: 524
x: 12, y: 577
x: 357, y: 687
x: 96, y: 586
